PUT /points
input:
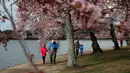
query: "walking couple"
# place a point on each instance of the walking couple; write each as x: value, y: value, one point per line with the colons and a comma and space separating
x: 52, y: 49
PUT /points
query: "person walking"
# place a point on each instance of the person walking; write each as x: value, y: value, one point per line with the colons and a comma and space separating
x: 81, y: 49
x: 121, y: 42
x: 77, y: 47
x: 53, y: 51
x: 43, y: 52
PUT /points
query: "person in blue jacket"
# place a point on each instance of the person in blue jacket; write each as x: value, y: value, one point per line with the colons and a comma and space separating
x: 81, y: 49
x: 53, y: 51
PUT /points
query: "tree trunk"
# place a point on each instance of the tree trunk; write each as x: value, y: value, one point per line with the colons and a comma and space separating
x: 127, y: 40
x: 127, y: 37
x: 95, y: 45
x: 70, y: 38
x: 114, y: 39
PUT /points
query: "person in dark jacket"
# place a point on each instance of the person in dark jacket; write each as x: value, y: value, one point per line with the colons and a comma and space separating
x: 53, y: 51
x: 121, y: 42
x: 77, y: 47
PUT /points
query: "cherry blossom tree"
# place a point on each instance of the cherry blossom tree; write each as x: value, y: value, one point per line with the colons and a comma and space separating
x: 123, y: 27
x: 3, y: 4
x: 88, y: 16
x: 119, y: 14
x: 111, y: 10
x: 41, y: 13
x: 48, y: 18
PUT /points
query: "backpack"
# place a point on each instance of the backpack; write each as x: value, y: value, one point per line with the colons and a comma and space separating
x: 55, y: 46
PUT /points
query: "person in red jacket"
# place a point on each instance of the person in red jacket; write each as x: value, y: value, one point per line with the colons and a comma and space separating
x: 121, y: 42
x: 43, y: 52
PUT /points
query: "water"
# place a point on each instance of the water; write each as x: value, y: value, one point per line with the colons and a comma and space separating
x: 15, y: 54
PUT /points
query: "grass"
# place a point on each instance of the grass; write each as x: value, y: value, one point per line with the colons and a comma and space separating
x: 108, y: 62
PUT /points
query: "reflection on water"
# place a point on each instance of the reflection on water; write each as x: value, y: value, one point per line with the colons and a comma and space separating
x: 15, y: 54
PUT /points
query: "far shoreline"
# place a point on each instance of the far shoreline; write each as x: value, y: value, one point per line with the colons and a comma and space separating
x: 62, y: 39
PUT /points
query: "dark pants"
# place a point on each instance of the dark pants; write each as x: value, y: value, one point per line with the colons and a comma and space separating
x: 121, y: 43
x: 53, y: 56
x: 43, y: 58
x: 81, y: 53
x: 77, y: 52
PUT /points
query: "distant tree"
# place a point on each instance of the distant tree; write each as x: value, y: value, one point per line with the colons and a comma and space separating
x: 88, y: 16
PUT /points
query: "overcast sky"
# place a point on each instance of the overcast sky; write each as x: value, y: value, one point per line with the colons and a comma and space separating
x: 7, y: 25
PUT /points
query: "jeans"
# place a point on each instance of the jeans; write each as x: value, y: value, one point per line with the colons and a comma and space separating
x: 53, y: 56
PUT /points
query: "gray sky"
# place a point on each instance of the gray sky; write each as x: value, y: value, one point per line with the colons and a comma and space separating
x: 7, y: 25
